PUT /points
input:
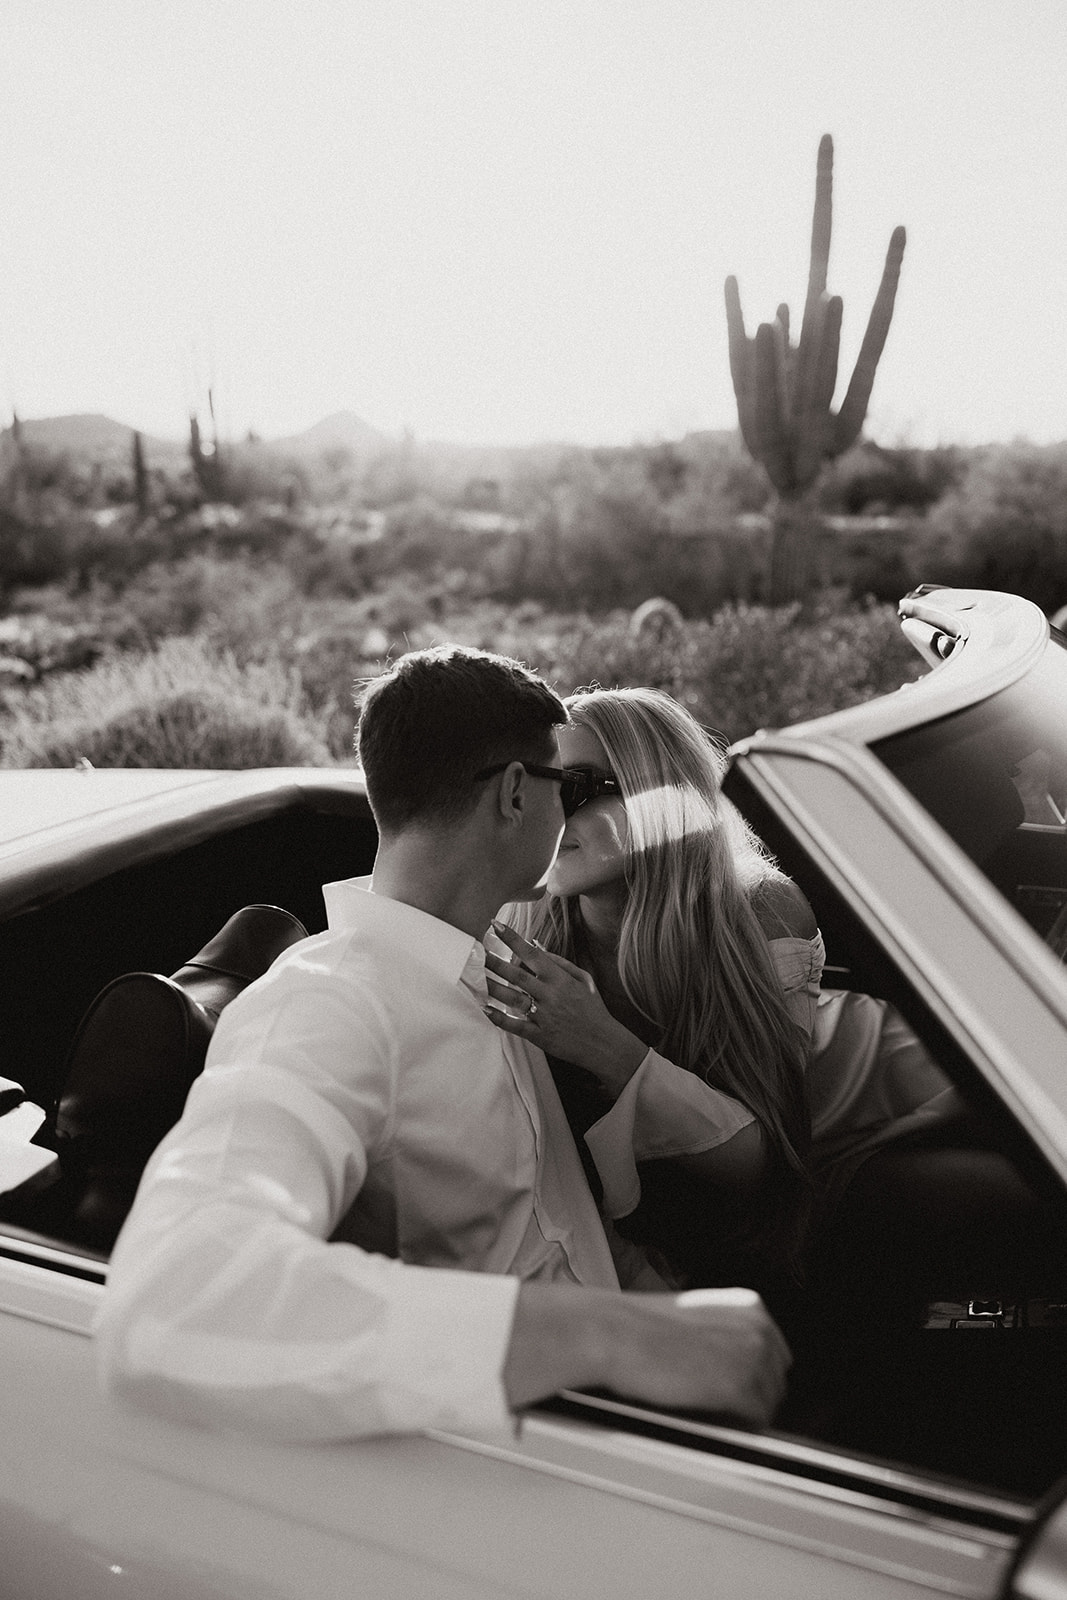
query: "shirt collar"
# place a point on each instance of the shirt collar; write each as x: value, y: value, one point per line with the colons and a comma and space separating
x: 351, y: 904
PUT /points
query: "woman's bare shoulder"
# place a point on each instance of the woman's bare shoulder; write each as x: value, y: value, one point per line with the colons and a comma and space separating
x: 783, y: 911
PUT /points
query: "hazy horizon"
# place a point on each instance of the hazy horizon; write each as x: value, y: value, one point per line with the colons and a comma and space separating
x: 179, y: 438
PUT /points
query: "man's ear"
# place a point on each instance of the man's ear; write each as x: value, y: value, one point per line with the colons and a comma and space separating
x: 511, y: 795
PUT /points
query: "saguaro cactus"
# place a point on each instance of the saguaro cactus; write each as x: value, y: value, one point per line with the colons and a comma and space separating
x: 141, y: 493
x: 784, y: 390
x: 207, y: 467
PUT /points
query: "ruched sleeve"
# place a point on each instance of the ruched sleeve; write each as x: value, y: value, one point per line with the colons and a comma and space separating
x: 663, y: 1111
x: 799, y: 964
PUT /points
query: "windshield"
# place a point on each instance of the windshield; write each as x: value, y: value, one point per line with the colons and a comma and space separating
x: 995, y: 777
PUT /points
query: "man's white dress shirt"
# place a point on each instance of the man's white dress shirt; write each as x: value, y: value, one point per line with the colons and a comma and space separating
x: 330, y: 1242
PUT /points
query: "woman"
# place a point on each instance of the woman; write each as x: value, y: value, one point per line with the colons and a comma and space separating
x: 673, y: 981
x: 678, y: 970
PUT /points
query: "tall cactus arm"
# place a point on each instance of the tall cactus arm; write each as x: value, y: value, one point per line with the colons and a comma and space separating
x: 809, y: 361
x: 818, y: 268
x: 830, y: 346
x: 850, y: 417
x: 821, y: 221
x: 770, y: 419
x: 742, y: 367
x: 813, y: 420
x: 819, y: 258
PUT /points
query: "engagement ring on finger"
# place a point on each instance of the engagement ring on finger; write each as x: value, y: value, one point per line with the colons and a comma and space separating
x: 532, y: 1011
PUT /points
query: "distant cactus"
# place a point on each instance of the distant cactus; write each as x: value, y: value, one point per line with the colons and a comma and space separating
x: 141, y: 492
x: 14, y: 487
x: 196, y: 449
x: 784, y: 391
x: 206, y: 464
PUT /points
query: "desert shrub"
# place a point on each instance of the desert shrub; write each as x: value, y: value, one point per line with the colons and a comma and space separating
x: 749, y: 667
x: 426, y: 542
x: 610, y: 534
x: 328, y: 569
x: 1005, y: 525
x: 769, y: 668
x: 235, y: 603
x: 183, y: 706
x: 59, y: 542
x: 253, y: 471
x: 902, y: 479
x: 879, y: 563
x: 44, y: 644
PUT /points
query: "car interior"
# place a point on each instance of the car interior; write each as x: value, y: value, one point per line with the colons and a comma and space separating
x: 108, y: 1012
x: 943, y: 1349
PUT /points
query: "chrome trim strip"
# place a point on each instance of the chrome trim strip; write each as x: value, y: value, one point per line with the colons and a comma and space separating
x: 816, y: 1469
x: 29, y: 1253
x: 931, y: 1547
x: 57, y: 1299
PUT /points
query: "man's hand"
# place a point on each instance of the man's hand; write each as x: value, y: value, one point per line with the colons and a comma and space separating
x: 714, y: 1350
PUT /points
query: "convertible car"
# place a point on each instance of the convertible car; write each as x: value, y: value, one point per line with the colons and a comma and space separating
x: 923, y: 1447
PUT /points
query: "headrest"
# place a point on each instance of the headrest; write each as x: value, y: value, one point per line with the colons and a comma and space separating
x: 138, y: 1049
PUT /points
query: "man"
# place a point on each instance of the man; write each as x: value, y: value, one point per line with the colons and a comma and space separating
x: 372, y: 1216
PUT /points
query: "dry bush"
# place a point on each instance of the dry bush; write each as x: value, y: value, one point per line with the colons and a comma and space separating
x: 1004, y: 526
x: 183, y: 706
x: 749, y: 667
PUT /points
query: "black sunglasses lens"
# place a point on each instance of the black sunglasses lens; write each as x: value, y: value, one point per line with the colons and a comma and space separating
x: 583, y: 786
x: 572, y: 793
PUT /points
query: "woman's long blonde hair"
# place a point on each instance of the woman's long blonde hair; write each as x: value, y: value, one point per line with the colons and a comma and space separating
x: 693, y: 957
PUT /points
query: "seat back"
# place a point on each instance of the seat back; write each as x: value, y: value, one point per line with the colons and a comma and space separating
x: 137, y: 1051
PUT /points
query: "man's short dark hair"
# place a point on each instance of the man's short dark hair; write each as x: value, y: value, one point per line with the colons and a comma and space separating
x: 436, y: 717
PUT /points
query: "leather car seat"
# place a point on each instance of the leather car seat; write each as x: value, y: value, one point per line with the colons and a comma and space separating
x: 135, y: 1055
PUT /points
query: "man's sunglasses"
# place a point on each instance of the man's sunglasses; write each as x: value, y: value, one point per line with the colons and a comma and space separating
x: 576, y: 784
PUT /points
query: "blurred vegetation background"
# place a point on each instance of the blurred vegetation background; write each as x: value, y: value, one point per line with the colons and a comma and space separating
x: 211, y: 605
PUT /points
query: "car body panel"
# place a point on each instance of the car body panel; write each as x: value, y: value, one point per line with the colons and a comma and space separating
x: 560, y: 1510
x: 99, y: 822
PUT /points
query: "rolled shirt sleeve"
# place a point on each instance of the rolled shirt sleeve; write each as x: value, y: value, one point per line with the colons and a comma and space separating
x: 346, y: 1343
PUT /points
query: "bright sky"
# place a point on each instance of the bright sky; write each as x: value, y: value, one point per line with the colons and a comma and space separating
x: 510, y: 220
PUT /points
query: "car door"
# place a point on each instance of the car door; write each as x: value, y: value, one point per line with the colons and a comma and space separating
x: 590, y: 1500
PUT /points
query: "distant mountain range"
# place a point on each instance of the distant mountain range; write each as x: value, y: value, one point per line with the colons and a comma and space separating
x: 92, y: 437
x: 88, y: 438
x: 341, y: 430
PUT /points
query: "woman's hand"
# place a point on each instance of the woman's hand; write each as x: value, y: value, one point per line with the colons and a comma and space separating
x: 555, y: 1005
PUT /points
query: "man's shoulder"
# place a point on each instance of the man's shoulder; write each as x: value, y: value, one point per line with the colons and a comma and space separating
x: 329, y: 988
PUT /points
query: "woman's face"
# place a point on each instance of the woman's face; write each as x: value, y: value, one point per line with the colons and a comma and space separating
x: 592, y: 853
